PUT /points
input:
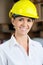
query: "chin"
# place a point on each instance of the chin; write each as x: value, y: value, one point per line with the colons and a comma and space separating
x: 23, y: 33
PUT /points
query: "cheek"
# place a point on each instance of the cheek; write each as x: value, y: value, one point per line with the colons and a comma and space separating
x: 16, y: 25
x: 30, y: 25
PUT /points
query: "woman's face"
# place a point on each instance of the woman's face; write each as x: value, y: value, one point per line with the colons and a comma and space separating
x: 22, y: 25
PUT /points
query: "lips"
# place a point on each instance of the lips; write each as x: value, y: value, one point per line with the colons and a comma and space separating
x: 23, y: 28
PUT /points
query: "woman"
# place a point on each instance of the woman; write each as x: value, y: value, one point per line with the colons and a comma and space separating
x: 20, y: 49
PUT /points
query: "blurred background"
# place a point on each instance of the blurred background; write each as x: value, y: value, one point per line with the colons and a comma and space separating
x: 6, y: 28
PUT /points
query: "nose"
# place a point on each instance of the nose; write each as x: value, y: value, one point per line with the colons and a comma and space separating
x: 25, y: 23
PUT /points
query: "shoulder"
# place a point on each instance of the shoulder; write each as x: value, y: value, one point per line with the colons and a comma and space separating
x: 3, y: 57
x: 38, y: 47
x: 36, y: 43
x: 5, y: 45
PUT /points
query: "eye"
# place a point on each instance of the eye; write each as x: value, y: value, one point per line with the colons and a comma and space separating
x: 29, y: 20
x: 21, y: 19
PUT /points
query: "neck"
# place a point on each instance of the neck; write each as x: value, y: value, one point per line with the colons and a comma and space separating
x: 22, y: 40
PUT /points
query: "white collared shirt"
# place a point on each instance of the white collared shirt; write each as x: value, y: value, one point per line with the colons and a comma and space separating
x: 11, y: 53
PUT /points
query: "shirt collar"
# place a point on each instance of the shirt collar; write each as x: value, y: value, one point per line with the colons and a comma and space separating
x: 14, y: 41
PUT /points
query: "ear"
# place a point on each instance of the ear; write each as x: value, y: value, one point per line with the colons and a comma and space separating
x: 12, y: 21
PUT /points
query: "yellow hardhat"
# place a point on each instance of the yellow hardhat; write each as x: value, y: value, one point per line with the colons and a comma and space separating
x: 24, y: 8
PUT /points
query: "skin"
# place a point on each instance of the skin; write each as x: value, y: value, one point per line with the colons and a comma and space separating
x: 22, y: 26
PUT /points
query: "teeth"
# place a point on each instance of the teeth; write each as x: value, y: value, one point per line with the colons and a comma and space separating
x: 23, y: 29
